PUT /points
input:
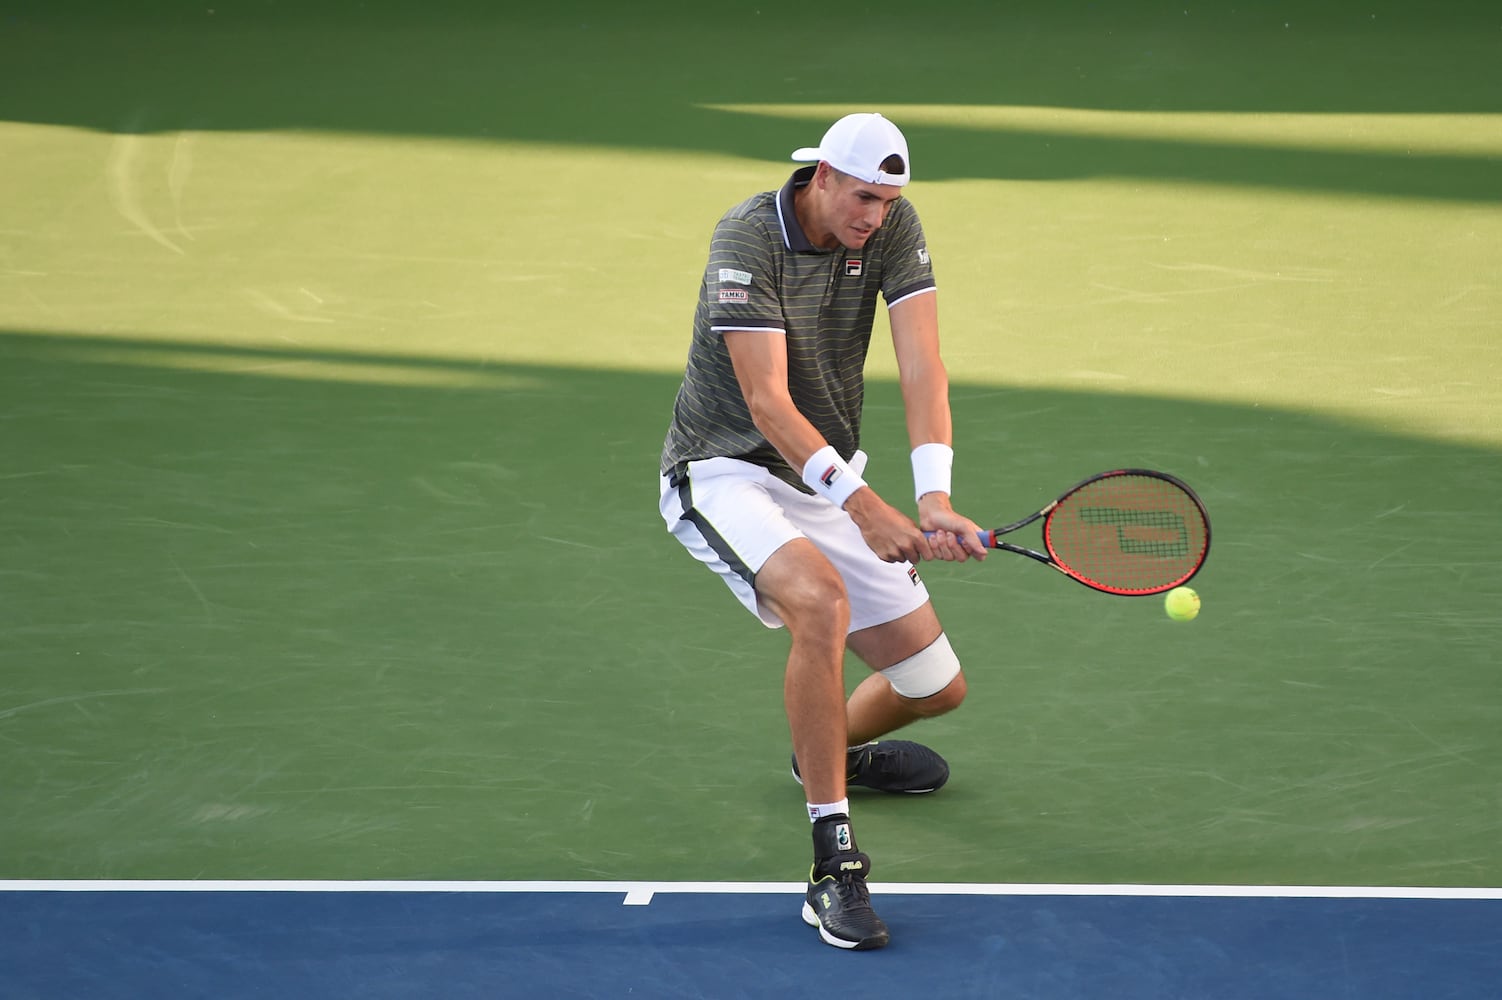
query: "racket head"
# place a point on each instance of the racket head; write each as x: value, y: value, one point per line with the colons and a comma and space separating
x: 1131, y: 532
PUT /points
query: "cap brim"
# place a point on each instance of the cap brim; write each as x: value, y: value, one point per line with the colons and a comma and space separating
x: 808, y: 154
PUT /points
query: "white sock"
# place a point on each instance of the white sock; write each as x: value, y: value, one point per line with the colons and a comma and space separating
x: 818, y: 812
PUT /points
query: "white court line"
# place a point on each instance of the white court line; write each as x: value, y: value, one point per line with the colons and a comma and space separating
x: 641, y: 893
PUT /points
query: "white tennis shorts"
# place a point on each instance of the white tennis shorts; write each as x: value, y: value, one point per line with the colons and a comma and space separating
x: 732, y: 515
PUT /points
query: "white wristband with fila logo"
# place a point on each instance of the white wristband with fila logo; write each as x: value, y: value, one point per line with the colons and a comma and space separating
x: 933, y: 468
x: 828, y: 475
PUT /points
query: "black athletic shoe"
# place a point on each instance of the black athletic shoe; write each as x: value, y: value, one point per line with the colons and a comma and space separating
x: 892, y: 766
x: 839, y: 904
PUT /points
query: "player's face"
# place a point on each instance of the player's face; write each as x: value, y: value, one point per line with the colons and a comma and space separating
x: 856, y: 209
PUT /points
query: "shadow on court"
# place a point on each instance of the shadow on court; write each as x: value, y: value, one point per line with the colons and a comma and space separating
x: 420, y: 620
x: 642, y: 77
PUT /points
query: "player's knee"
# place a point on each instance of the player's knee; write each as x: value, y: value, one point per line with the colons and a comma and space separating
x: 930, y: 680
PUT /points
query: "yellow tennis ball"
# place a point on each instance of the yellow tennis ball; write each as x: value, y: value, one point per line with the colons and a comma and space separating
x: 1182, y: 604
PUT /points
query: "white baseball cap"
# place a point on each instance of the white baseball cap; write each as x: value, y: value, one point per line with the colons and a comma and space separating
x: 858, y: 145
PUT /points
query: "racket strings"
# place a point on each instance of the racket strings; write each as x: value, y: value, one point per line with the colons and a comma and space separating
x: 1128, y: 533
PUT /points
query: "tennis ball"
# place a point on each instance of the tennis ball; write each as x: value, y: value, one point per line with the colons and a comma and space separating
x: 1182, y: 604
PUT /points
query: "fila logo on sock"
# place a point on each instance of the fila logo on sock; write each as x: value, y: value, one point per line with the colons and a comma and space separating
x: 842, y: 836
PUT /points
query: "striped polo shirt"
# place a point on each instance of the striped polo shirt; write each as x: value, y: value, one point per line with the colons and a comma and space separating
x: 764, y: 275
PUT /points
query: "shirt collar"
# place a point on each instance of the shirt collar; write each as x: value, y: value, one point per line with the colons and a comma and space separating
x: 792, y: 232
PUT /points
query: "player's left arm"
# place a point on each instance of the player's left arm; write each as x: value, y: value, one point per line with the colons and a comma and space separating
x: 925, y: 398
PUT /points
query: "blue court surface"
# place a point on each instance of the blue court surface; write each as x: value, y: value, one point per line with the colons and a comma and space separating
x: 453, y: 940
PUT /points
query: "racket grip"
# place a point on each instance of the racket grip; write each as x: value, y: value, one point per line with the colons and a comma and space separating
x: 987, y: 538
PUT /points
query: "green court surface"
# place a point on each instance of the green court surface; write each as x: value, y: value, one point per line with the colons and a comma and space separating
x: 337, y: 342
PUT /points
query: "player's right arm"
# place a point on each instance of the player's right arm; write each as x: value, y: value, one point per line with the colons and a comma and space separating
x: 760, y: 361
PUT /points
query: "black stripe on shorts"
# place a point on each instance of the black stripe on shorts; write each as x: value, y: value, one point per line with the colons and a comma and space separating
x: 716, y: 541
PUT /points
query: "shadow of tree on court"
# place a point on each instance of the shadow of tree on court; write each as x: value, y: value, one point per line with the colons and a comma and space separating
x: 258, y: 625
x: 641, y: 76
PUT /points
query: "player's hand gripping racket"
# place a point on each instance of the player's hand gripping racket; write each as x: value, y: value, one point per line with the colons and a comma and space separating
x: 1128, y: 532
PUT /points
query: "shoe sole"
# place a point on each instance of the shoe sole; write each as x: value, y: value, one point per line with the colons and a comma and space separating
x: 898, y: 791
x: 864, y: 944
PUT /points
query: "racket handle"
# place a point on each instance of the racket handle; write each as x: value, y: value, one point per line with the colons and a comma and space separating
x: 987, y: 538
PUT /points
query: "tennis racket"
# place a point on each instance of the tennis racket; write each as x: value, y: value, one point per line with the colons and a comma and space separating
x: 1129, y: 532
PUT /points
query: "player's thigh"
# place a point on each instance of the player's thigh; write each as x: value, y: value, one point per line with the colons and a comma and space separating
x: 916, y: 658
x: 880, y: 646
x: 800, y: 585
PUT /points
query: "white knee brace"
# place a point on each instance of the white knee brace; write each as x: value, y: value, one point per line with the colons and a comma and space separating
x: 926, y: 672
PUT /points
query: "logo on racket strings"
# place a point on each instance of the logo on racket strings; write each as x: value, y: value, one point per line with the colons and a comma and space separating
x: 1161, y: 533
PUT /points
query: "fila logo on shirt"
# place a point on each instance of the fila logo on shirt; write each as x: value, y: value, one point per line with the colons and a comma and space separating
x: 853, y: 268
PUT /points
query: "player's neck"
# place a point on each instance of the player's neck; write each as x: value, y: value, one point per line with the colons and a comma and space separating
x: 805, y: 207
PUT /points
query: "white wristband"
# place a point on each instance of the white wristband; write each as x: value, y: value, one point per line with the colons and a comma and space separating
x: 826, y: 474
x: 933, y: 466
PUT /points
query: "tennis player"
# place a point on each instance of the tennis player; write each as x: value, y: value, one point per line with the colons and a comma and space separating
x: 761, y: 479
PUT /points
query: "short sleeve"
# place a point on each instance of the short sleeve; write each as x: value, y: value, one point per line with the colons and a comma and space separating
x: 741, y: 280
x: 907, y: 269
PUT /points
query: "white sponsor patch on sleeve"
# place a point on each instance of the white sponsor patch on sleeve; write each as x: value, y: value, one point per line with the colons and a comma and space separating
x: 739, y: 277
